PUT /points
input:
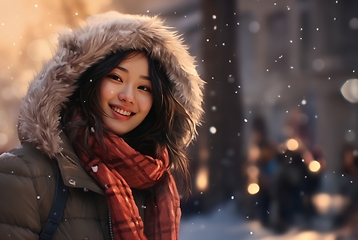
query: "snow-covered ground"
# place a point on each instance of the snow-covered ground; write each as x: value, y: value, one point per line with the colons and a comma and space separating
x: 225, y: 224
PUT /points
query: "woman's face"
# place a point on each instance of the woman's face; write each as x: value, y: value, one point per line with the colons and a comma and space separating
x: 126, y: 94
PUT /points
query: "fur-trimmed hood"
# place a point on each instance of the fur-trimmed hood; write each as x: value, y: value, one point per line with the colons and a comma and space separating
x: 77, y: 50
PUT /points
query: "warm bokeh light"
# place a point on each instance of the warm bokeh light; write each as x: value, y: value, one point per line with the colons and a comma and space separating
x: 314, y: 166
x: 349, y: 90
x: 212, y: 130
x: 292, y: 144
x: 322, y: 202
x: 326, y: 203
x: 253, y: 188
x: 202, y: 179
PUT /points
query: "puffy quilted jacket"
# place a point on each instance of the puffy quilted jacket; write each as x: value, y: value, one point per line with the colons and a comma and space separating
x: 27, y: 184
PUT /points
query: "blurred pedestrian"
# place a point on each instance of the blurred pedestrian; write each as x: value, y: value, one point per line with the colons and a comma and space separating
x: 347, y: 219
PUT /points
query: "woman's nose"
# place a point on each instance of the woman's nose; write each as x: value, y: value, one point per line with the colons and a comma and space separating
x: 126, y: 94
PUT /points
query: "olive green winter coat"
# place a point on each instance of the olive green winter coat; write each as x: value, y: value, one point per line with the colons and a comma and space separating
x: 28, y: 182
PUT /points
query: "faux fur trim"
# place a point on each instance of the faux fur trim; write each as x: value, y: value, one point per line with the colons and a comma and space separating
x: 40, y: 110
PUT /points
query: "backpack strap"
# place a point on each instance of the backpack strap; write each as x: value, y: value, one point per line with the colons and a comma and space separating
x: 57, y: 209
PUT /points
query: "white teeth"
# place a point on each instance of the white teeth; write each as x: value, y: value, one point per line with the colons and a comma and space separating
x: 121, y: 111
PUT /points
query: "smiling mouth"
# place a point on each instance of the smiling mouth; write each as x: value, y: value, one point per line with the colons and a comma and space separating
x: 122, y: 112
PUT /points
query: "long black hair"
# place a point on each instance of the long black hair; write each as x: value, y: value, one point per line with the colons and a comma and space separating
x: 166, y: 124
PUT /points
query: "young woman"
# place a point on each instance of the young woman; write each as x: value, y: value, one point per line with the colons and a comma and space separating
x: 112, y: 114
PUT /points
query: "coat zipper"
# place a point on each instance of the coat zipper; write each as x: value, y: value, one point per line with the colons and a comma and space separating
x: 73, y: 161
x: 109, y: 211
x: 110, y: 221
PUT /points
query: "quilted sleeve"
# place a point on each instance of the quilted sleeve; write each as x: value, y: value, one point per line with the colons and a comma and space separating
x: 19, y: 200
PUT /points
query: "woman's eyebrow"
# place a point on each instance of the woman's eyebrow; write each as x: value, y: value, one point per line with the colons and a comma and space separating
x: 126, y: 70
x: 122, y: 68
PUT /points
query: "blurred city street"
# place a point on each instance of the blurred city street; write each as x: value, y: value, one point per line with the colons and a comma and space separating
x: 276, y: 157
x: 224, y: 223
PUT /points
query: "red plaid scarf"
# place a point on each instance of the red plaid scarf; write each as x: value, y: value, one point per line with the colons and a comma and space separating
x: 123, y: 168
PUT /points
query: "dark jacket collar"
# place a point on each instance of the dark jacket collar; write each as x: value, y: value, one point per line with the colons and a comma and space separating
x: 73, y: 174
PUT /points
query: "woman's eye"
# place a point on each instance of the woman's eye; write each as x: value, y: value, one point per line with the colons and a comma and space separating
x: 115, y: 77
x: 145, y: 88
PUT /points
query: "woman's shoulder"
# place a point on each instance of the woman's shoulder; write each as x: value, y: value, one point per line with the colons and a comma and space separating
x: 27, y: 178
x: 26, y: 161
